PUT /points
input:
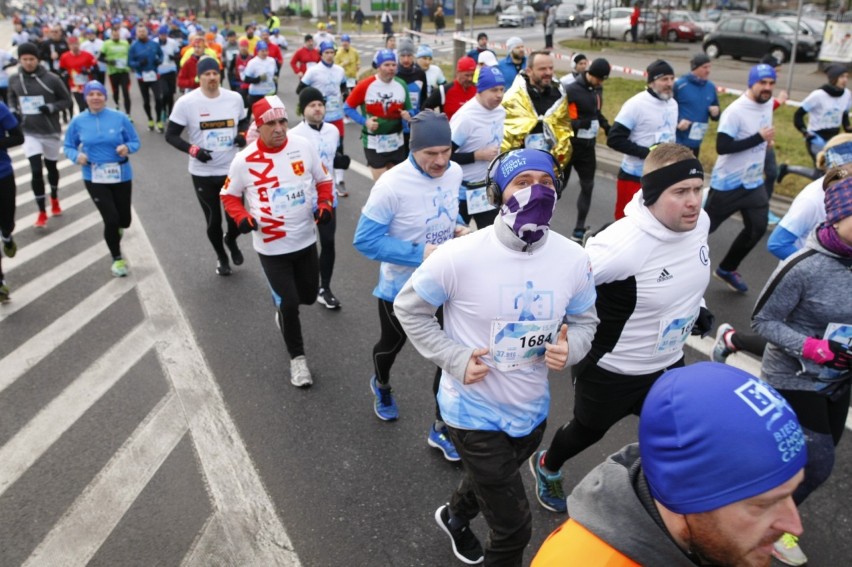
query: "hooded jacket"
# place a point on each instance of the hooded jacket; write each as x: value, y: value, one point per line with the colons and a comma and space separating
x: 522, y: 118
x: 614, y: 522
x: 40, y: 83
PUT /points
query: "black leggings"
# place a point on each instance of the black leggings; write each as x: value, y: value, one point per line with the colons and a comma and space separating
x: 168, y: 85
x: 7, y: 205
x: 391, y: 341
x: 113, y: 202
x: 327, y: 254
x: 81, y: 101
x: 122, y: 81
x: 147, y: 90
x: 293, y: 278
x: 4, y: 95
x: 207, y: 191
x: 584, y: 160
x: 753, y: 205
x: 37, y: 182
x: 749, y: 342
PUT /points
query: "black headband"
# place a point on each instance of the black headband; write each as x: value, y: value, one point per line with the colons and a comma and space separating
x: 654, y: 183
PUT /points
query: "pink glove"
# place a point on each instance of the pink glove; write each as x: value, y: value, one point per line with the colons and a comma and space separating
x: 817, y: 350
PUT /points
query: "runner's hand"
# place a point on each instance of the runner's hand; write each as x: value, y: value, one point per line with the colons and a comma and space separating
x: 323, y: 214
x: 200, y: 154
x: 247, y: 225
x: 476, y: 369
x: 82, y: 159
x: 240, y: 140
x: 704, y: 323
x: 556, y: 354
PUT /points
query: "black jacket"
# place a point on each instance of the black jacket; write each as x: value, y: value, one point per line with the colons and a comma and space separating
x: 585, y: 104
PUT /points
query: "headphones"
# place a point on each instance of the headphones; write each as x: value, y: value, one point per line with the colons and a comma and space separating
x: 493, y: 191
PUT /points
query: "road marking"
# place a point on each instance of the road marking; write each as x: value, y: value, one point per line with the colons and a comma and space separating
x: 32, y: 251
x: 25, y: 197
x: 20, y: 164
x: 67, y: 204
x: 361, y: 169
x: 27, y: 177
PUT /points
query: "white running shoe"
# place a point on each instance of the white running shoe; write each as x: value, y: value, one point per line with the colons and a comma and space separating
x: 300, y: 376
x: 787, y: 551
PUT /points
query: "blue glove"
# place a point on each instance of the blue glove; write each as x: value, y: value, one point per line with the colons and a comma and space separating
x: 816, y: 143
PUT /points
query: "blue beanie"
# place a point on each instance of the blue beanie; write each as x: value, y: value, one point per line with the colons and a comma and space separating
x: 489, y: 77
x: 711, y: 435
x: 760, y: 72
x: 423, y: 50
x: 326, y: 45
x: 345, y: 37
x: 94, y: 86
x: 510, y: 165
x: 383, y: 56
x: 261, y: 45
x: 163, y: 30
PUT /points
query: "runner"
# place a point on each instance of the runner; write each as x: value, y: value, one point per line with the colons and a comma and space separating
x: 827, y: 109
x: 505, y: 291
x: 144, y: 57
x: 304, y: 57
x: 216, y: 119
x: 237, y: 69
x: 579, y: 65
x: 11, y: 135
x: 477, y: 134
x: 349, y: 59
x: 168, y: 73
x: 325, y: 137
x: 114, y: 53
x: 650, y: 271
x: 515, y: 61
x: 260, y: 74
x: 276, y: 186
x: 384, y: 103
x: 697, y: 103
x: 481, y: 46
x: 101, y: 139
x: 38, y: 96
x: 448, y: 98
x: 94, y: 45
x: 77, y: 65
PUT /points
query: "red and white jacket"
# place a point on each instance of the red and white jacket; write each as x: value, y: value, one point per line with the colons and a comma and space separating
x: 278, y: 186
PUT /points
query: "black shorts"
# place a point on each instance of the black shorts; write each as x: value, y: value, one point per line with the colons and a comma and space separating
x: 378, y: 161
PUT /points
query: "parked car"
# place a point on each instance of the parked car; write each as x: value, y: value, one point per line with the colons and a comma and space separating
x: 567, y: 16
x: 805, y: 28
x: 754, y: 36
x: 516, y: 16
x: 678, y: 25
x: 614, y: 23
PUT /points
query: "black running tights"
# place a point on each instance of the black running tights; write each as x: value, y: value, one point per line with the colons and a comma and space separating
x: 113, y: 202
x: 326, y: 257
x: 148, y: 89
x: 7, y: 205
x: 37, y: 182
x: 207, y: 191
x: 121, y: 81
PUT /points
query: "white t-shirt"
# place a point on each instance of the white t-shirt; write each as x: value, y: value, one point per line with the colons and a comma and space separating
x: 806, y: 212
x: 434, y: 77
x: 826, y: 111
x: 416, y: 208
x: 212, y: 125
x: 328, y: 80
x: 475, y: 127
x: 94, y: 47
x: 277, y: 188
x: 650, y: 121
x: 171, y: 53
x: 325, y: 140
x: 511, y: 302
x: 742, y: 119
x: 258, y: 67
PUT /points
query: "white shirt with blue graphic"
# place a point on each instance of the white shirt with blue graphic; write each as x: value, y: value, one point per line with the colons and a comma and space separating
x: 650, y: 121
x: 742, y: 119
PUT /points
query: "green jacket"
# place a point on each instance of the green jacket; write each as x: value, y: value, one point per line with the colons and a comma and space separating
x: 115, y: 54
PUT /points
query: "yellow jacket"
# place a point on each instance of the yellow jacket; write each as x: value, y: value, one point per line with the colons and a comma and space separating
x: 349, y: 60
x: 521, y: 118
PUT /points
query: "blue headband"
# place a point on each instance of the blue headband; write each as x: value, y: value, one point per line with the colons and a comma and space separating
x: 94, y: 86
x: 838, y: 155
x: 510, y: 165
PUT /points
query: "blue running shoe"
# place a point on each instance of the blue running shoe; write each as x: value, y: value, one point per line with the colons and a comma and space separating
x: 721, y: 350
x: 441, y: 440
x: 384, y: 405
x: 548, y: 486
x: 773, y: 219
x: 733, y: 279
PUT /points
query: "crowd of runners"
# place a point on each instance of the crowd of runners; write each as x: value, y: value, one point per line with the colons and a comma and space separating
x: 467, y: 171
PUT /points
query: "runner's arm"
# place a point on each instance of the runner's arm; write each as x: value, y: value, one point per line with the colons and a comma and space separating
x: 372, y: 240
x: 173, y: 132
x: 727, y: 145
x: 619, y: 140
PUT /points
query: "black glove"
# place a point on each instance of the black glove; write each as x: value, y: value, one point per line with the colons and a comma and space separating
x: 247, y: 225
x: 704, y: 323
x: 323, y: 215
x: 44, y: 109
x: 842, y: 356
x: 341, y: 161
x: 143, y: 61
x: 200, y: 154
x: 240, y: 141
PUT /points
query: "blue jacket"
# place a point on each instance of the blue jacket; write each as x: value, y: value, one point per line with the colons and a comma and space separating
x: 694, y: 97
x: 97, y: 136
x: 145, y: 56
x: 507, y: 67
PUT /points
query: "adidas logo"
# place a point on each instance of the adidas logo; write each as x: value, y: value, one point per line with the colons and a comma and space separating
x: 664, y: 275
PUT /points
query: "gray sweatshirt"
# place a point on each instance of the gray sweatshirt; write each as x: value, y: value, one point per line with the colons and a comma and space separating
x: 803, y: 295
x: 41, y: 83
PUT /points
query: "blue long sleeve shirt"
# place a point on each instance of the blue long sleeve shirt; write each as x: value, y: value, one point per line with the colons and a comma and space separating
x: 694, y: 98
x: 145, y: 56
x: 97, y: 136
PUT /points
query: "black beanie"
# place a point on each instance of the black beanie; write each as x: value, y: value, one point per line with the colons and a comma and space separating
x: 599, y: 68
x: 699, y: 60
x: 27, y: 48
x: 834, y: 71
x: 309, y: 95
x: 657, y: 69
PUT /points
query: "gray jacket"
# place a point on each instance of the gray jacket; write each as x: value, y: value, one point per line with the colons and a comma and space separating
x: 804, y: 294
x: 40, y: 83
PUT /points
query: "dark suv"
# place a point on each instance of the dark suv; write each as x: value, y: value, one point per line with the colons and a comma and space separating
x: 754, y: 36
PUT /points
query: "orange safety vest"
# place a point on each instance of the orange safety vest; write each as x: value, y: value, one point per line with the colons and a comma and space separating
x: 572, y: 545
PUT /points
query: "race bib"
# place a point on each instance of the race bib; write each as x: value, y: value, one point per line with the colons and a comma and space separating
x: 385, y: 143
x: 80, y: 79
x: 536, y: 142
x: 106, y: 173
x: 30, y: 104
x: 589, y: 133
x: 518, y: 344
x: 286, y: 198
x: 219, y: 139
x: 121, y: 63
x: 477, y: 201
x: 149, y: 76
x: 663, y: 137
x: 697, y: 131
x: 333, y: 106
x: 753, y: 175
x: 672, y: 334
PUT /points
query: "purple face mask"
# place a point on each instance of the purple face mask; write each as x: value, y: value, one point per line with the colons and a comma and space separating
x: 528, y: 212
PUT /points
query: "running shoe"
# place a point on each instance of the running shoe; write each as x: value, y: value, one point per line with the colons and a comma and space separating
x: 160, y: 127
x: 41, y: 221
x: 4, y: 292
x: 119, y: 268
x: 327, y: 298
x: 383, y: 403
x: 55, y: 209
x: 441, y: 440
x: 578, y: 235
x: 150, y: 125
x: 300, y: 376
x: 465, y: 545
x: 773, y: 219
x: 341, y: 190
x: 733, y: 279
x: 236, y: 254
x: 787, y: 550
x: 782, y: 172
x: 10, y: 247
x: 223, y: 267
x: 722, y: 348
x: 549, y: 490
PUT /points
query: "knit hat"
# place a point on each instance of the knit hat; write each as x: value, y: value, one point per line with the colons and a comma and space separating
x: 325, y: 46
x: 490, y: 77
x: 73, y: 39
x: 834, y: 71
x: 699, y: 60
x: 207, y: 63
x: 760, y: 72
x: 423, y: 50
x: 513, y: 42
x: 405, y: 47
x: 429, y: 129
x: 383, y: 56
x: 163, y: 30
x: 770, y: 60
x: 94, y: 86
x: 268, y: 108
x: 711, y: 435
x: 657, y: 69
x: 243, y: 42
x: 466, y: 64
x: 487, y: 58
x: 261, y: 45
x: 307, y: 96
x: 513, y: 163
x: 27, y: 48
x: 599, y: 68
x: 838, y: 201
